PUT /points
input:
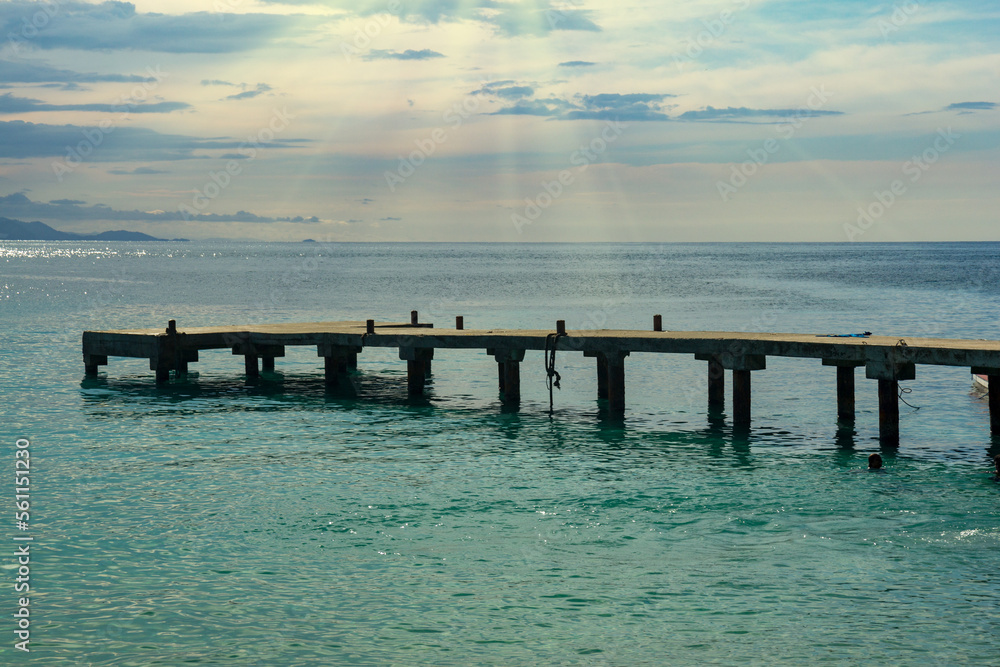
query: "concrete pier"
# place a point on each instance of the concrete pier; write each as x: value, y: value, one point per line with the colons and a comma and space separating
x: 887, y: 359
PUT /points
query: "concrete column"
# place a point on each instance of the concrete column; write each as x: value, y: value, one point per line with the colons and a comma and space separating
x: 602, y: 376
x: 93, y: 362
x: 889, y: 373
x: 993, y: 377
x: 250, y: 363
x: 888, y: 411
x: 416, y: 376
x: 994, y: 399
x: 716, y: 385
x: 717, y: 379
x: 512, y: 381
x: 845, y: 386
x: 267, y: 363
x: 416, y: 359
x: 616, y: 381
x: 331, y: 371
x: 845, y: 393
x: 336, y: 361
x: 741, y: 397
x: 509, y: 371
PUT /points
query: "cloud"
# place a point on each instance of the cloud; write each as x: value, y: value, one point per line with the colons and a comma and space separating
x: 521, y: 17
x: 532, y: 108
x: 408, y: 54
x: 742, y: 114
x: 217, y: 82
x: 141, y: 171
x: 117, y: 26
x: 518, y: 20
x: 971, y: 106
x: 248, y: 94
x: 604, y: 106
x: 626, y: 107
x: 38, y: 72
x: 577, y: 63
x: 20, y: 139
x: 504, y: 90
x: 10, y: 104
x: 21, y: 207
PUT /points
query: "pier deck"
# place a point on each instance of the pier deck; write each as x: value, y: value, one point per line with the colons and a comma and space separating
x: 888, y: 359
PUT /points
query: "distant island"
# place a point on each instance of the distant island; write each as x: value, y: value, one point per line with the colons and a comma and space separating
x: 16, y: 230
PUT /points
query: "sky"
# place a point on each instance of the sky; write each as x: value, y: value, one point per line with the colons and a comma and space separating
x: 504, y: 120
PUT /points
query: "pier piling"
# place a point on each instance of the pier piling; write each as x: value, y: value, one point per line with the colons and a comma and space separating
x: 417, y: 359
x: 994, y: 398
x: 741, y: 397
x: 888, y: 411
x: 716, y: 381
x: 602, y: 376
x: 509, y: 369
x: 993, y: 395
x: 888, y: 359
x: 845, y: 393
x: 615, y: 362
x: 92, y: 363
x: 845, y: 387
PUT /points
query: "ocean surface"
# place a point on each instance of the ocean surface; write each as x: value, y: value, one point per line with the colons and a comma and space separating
x: 218, y: 521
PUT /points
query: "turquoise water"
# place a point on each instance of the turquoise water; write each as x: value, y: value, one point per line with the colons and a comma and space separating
x: 216, y: 521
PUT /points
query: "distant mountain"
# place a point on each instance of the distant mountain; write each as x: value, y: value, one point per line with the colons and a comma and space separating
x: 15, y: 230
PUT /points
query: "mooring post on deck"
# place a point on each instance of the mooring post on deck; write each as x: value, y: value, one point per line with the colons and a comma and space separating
x: 509, y: 371
x: 716, y: 381
x: 657, y: 322
x: 459, y: 322
x: 889, y: 374
x: 845, y: 386
x: 993, y: 395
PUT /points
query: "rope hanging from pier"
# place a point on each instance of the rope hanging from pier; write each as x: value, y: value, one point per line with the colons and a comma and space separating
x: 907, y: 390
x: 552, y: 377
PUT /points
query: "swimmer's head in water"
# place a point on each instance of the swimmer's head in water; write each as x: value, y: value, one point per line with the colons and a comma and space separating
x: 875, y: 462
